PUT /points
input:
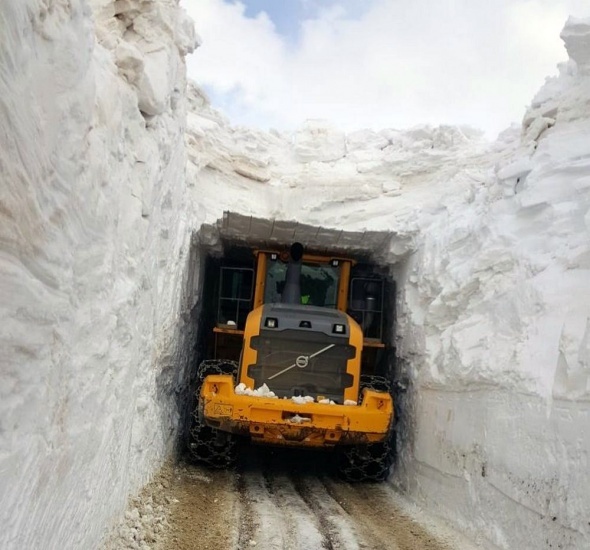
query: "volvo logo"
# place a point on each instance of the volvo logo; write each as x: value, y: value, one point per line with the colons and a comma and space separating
x: 302, y: 361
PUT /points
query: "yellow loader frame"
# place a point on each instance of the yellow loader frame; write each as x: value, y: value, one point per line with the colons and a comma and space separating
x: 283, y: 422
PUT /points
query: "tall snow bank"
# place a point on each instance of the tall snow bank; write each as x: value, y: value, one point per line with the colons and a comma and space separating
x: 577, y: 43
x: 497, y: 332
x: 92, y: 259
x: 379, y: 182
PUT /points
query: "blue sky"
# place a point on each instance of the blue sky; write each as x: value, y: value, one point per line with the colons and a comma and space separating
x: 287, y: 15
x: 377, y: 63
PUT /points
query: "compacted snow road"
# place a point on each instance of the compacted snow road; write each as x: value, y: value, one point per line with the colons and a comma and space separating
x: 281, y: 500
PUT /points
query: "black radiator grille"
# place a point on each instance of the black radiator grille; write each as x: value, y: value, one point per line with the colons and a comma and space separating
x: 320, y: 364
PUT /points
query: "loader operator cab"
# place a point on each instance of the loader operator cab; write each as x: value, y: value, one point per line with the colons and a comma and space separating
x: 297, y: 342
x: 317, y: 281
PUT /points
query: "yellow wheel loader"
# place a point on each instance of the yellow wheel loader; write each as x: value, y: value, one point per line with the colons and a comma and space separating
x: 296, y: 344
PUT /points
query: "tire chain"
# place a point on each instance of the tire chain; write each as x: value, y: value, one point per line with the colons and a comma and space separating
x: 376, y: 383
x: 370, y: 462
x: 204, y: 444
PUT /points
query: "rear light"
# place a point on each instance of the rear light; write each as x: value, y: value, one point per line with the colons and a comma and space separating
x: 339, y: 329
x: 271, y: 322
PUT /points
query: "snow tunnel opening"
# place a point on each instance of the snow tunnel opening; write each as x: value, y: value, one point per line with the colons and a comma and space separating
x: 227, y: 247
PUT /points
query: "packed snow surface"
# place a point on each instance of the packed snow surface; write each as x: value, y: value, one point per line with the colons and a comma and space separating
x: 100, y: 274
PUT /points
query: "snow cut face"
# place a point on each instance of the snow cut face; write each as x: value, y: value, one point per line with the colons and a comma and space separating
x: 576, y: 35
x: 90, y: 230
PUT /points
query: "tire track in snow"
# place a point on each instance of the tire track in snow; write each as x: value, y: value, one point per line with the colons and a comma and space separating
x: 301, y: 526
x: 259, y: 518
x: 285, y: 501
x: 336, y: 527
x: 379, y: 519
x: 245, y: 519
x: 278, y: 519
x: 290, y: 508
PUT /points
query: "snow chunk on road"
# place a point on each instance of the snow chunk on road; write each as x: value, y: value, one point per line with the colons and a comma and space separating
x: 262, y: 391
x: 302, y: 399
x: 299, y: 419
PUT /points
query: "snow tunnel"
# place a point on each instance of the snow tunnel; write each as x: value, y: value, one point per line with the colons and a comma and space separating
x: 227, y: 247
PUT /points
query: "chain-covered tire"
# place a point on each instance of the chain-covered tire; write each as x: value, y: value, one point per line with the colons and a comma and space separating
x: 376, y: 383
x: 372, y: 461
x: 207, y: 445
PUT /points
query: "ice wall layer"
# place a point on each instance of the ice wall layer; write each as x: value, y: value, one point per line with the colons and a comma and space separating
x: 92, y: 258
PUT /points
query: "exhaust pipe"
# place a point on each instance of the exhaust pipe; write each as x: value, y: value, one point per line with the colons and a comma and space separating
x: 292, y: 290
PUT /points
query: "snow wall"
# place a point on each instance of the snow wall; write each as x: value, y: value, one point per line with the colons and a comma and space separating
x: 101, y: 257
x: 497, y: 334
x: 93, y: 259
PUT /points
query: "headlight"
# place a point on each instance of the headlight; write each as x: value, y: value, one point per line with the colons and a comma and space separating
x: 271, y: 322
x: 339, y: 329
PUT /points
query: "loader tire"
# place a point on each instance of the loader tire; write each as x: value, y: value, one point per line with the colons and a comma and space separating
x: 372, y: 461
x: 376, y: 383
x: 207, y: 445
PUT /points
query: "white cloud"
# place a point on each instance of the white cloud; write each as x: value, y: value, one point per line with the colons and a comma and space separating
x: 399, y: 64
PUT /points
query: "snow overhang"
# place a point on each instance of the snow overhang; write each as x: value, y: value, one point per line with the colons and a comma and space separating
x: 240, y: 230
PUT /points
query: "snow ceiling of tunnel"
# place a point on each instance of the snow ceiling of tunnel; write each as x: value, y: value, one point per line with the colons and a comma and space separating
x: 240, y: 229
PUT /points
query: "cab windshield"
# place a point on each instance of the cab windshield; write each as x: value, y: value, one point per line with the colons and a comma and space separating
x: 319, y: 283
